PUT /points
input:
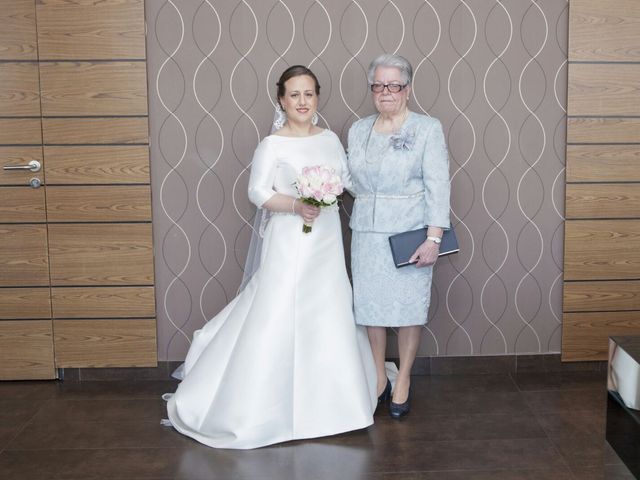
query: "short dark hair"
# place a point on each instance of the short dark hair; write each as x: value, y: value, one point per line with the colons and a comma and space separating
x: 295, y: 71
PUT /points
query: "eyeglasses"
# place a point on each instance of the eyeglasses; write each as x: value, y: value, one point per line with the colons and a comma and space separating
x: 391, y: 87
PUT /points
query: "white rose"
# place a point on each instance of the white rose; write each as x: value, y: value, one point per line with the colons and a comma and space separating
x: 329, y: 198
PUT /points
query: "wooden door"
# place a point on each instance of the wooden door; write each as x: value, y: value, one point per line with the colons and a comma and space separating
x: 76, y: 257
x: 26, y: 334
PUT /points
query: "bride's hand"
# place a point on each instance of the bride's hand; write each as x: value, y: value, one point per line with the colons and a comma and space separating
x: 306, y: 211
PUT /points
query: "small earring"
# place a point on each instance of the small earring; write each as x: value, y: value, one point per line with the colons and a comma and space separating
x: 314, y: 118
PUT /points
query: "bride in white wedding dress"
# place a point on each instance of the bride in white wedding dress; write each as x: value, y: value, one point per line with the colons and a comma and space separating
x: 284, y: 360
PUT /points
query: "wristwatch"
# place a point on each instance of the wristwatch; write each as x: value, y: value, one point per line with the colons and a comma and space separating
x: 436, y: 240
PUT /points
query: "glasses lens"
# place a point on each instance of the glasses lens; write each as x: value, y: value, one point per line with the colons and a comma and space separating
x: 392, y: 87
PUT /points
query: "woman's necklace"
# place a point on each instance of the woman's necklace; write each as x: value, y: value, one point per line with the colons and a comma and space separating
x: 394, y: 129
x: 392, y: 132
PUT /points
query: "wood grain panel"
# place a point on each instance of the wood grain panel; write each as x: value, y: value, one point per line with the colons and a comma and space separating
x: 103, y: 302
x: 602, y: 200
x: 98, y: 203
x: 105, y: 343
x: 107, y: 254
x: 18, y: 156
x: 604, y: 33
x: 26, y: 350
x: 20, y: 131
x: 96, y: 89
x: 69, y: 131
x: 603, y: 130
x: 602, y: 249
x: 585, y: 335
x: 18, y: 32
x: 615, y: 25
x: 603, y: 89
x: 20, y: 303
x: 601, y: 296
x: 23, y: 256
x: 109, y: 164
x: 19, y: 89
x: 100, y: 29
x: 603, y: 163
x: 22, y: 204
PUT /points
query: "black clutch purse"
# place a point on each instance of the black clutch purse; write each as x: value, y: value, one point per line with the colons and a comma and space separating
x: 404, y: 244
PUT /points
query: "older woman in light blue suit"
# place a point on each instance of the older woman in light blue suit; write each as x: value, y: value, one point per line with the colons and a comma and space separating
x: 400, y: 171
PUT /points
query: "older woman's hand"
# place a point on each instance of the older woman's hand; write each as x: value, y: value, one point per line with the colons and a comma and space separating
x: 426, y: 254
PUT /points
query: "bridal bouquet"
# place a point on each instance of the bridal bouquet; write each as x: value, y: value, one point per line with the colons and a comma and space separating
x: 318, y: 186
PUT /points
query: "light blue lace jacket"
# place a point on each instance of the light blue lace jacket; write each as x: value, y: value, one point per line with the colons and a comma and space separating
x: 411, y: 187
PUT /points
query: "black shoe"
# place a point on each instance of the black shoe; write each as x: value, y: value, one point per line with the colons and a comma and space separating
x: 386, y: 393
x: 399, y: 410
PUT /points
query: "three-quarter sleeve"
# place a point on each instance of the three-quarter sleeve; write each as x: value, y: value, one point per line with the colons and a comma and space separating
x: 263, y: 172
x: 435, y: 175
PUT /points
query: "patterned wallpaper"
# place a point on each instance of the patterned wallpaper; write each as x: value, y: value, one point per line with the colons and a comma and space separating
x: 494, y: 73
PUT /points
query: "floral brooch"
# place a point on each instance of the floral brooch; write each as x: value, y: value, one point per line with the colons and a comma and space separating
x: 402, y: 140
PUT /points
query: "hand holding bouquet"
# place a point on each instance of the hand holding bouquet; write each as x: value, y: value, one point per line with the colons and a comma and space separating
x: 318, y: 186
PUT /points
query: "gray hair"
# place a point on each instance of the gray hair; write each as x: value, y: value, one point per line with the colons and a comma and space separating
x: 394, y: 61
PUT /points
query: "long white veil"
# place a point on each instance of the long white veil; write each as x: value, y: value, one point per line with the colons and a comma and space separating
x: 252, y: 263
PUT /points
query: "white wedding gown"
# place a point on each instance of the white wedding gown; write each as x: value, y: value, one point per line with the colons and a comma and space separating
x: 284, y: 360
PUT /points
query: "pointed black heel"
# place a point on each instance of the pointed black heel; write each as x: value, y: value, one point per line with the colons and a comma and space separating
x: 399, y: 410
x: 386, y: 393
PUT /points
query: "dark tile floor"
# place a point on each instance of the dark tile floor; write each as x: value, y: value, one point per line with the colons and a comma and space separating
x: 529, y: 426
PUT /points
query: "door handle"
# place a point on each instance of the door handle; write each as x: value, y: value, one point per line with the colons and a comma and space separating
x: 32, y: 166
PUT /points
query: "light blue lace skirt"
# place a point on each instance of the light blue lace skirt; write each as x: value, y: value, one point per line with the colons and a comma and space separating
x: 386, y: 296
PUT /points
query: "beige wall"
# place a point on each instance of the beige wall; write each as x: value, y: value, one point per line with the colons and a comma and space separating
x: 493, y: 72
